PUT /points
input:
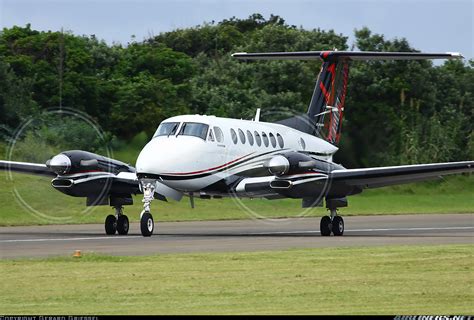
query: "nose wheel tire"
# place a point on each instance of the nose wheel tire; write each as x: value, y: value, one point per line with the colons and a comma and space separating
x: 110, y: 225
x: 146, y: 224
x: 122, y: 225
x: 338, y: 226
x: 325, y: 226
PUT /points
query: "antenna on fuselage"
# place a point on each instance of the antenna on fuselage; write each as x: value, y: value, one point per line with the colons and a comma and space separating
x: 257, y: 115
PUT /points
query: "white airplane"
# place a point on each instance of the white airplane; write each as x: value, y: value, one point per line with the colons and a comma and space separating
x: 213, y: 157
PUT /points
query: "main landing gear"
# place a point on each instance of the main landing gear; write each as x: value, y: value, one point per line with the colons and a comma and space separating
x: 117, y: 223
x: 333, y: 223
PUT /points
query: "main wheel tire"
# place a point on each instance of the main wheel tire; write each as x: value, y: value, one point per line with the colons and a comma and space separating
x: 122, y: 225
x: 146, y: 224
x: 110, y: 225
x: 338, y: 226
x: 325, y: 226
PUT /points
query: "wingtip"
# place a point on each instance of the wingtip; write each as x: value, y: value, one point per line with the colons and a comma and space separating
x: 456, y: 55
x: 236, y: 54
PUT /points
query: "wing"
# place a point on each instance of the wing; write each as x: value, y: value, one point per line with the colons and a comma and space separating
x: 386, y: 176
x: 343, y: 182
x: 26, y: 167
x: 124, y: 182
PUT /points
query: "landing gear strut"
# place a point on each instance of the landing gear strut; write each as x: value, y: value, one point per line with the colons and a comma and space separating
x: 333, y: 223
x: 117, y: 223
x: 147, y: 224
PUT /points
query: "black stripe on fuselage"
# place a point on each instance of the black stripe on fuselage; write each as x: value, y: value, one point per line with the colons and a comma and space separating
x: 319, y: 154
x: 202, y: 175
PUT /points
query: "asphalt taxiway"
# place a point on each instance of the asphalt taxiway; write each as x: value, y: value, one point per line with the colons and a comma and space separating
x: 232, y: 236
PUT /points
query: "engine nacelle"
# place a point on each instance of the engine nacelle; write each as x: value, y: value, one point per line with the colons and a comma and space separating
x: 77, y: 161
x: 293, y: 163
x: 86, y: 174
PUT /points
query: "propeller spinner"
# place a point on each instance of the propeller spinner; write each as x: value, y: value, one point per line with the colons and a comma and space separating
x: 60, y: 164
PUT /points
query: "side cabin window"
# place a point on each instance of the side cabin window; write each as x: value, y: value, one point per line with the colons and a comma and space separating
x: 233, y: 135
x: 281, y: 143
x: 194, y: 129
x: 265, y: 139
x: 302, y: 144
x: 250, y: 137
x: 219, y: 134
x: 242, y: 136
x: 166, y: 129
x: 273, y: 140
x: 258, y: 139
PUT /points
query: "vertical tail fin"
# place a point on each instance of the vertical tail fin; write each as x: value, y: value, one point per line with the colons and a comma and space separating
x: 326, y: 109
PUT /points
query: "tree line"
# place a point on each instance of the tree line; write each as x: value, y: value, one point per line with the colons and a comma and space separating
x: 397, y: 112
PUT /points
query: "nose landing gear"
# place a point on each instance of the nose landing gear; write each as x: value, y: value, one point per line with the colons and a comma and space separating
x: 147, y: 224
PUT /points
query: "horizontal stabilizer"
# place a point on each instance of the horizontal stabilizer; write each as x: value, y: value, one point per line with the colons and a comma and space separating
x: 349, y: 55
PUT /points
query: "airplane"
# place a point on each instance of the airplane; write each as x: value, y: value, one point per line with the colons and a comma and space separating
x: 214, y: 157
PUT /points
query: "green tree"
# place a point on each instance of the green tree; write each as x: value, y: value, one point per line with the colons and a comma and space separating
x: 396, y: 111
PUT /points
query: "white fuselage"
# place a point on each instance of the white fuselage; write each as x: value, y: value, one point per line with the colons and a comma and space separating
x: 190, y: 163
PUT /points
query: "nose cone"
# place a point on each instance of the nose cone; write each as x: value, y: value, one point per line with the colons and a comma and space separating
x: 146, y: 159
x: 60, y: 164
x: 165, y: 155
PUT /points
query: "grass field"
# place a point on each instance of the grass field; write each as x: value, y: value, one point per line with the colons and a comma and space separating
x: 44, y: 205
x: 376, y: 280
x: 380, y: 280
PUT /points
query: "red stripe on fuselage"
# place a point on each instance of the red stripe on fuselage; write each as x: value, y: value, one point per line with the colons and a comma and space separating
x: 207, y: 170
x: 84, y: 171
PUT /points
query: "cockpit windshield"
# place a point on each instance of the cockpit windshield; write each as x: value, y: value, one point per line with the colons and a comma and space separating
x: 194, y: 129
x: 166, y: 129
